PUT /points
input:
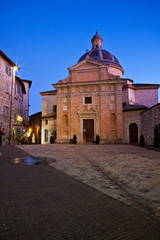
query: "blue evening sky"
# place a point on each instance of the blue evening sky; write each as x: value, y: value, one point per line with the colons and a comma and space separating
x: 46, y: 37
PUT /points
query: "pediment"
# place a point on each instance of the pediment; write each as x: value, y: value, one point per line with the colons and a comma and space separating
x: 87, y: 109
x: 87, y: 64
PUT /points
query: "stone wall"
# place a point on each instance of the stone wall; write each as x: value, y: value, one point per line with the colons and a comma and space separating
x: 5, y: 100
x: 128, y: 118
x: 48, y: 101
x: 146, y: 97
x: 47, y: 124
x: 149, y: 119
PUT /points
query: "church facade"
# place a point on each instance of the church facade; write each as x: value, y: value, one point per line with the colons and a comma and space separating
x: 95, y: 99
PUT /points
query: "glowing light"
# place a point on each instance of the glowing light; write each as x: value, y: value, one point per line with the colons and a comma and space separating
x: 19, y: 118
x: 15, y: 68
x: 16, y: 160
x: 29, y: 132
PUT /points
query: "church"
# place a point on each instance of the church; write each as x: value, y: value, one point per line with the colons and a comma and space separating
x: 95, y: 99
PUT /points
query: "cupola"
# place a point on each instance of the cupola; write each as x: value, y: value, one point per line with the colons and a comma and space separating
x: 96, y: 41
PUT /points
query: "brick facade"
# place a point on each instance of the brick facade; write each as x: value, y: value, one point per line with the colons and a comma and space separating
x: 13, y: 95
x: 95, y: 99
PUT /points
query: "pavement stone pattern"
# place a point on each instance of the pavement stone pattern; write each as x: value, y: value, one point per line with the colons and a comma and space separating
x: 42, y: 202
x: 128, y: 173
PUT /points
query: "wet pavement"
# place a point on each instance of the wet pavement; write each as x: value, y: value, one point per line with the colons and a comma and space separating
x: 42, y: 202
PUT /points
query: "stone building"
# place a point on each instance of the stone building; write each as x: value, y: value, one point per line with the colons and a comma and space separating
x: 14, y: 95
x: 95, y: 99
x: 49, y: 109
x: 150, y: 120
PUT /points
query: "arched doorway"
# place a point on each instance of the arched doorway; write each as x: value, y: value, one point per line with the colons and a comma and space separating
x: 133, y: 133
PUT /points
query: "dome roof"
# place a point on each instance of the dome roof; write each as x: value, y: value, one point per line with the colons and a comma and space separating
x: 97, y: 53
x: 101, y: 55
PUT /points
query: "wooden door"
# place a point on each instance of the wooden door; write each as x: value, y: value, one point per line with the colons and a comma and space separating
x: 88, y: 130
x: 133, y: 133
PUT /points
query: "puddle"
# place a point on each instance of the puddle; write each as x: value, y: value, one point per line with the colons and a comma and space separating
x: 32, y: 160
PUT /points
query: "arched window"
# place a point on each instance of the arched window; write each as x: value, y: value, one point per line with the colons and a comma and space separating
x: 133, y: 133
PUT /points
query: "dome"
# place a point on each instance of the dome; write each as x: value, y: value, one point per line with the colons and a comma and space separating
x: 97, y: 53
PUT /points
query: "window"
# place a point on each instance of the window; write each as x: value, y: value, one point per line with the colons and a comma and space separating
x: 8, y: 69
x: 46, y: 135
x: 54, y: 108
x: 15, y: 103
x: 88, y: 100
x: 7, y: 87
x: 6, y: 111
x: 46, y: 122
x: 15, y: 118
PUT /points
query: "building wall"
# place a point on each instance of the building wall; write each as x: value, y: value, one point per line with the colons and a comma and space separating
x: 49, y: 126
x: 5, y: 99
x: 147, y: 97
x: 130, y: 117
x: 115, y: 72
x: 11, y: 101
x: 106, y: 105
x: 26, y: 102
x: 48, y: 101
x: 149, y: 119
x: 131, y: 96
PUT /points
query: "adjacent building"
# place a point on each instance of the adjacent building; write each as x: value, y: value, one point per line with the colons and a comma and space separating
x: 49, y: 114
x: 95, y: 99
x: 14, y: 101
x: 35, y: 127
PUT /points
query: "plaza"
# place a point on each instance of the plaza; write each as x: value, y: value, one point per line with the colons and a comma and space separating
x: 85, y: 191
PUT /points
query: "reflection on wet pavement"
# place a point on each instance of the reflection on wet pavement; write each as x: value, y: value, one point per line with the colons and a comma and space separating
x: 32, y: 160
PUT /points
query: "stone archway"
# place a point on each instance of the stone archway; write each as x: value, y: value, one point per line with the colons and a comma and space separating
x: 133, y: 133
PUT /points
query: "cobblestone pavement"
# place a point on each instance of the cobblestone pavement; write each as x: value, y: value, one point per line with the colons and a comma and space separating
x: 128, y: 173
x: 41, y: 202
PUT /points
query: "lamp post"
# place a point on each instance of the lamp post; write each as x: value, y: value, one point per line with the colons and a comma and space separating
x: 14, y: 69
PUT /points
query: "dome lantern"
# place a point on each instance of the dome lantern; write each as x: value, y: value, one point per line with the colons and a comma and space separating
x: 97, y: 41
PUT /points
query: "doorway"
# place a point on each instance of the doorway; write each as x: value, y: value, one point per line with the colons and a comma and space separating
x: 88, y: 130
x: 133, y: 133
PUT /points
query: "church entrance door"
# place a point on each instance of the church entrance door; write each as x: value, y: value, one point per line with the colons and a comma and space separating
x: 133, y: 133
x: 88, y: 130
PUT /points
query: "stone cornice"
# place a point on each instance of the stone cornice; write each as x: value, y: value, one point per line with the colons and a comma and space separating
x: 96, y: 82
